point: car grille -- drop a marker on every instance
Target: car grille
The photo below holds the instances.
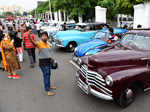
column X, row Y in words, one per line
column 94, row 79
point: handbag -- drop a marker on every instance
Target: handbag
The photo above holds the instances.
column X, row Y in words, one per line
column 53, row 64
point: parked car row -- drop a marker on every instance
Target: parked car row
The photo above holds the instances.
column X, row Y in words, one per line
column 110, row 71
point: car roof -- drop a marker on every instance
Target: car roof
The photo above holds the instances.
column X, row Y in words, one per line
column 96, row 23
column 116, row 30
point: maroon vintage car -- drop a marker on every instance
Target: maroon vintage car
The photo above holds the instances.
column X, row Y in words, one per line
column 117, row 73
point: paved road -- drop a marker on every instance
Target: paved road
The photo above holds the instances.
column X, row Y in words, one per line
column 27, row 95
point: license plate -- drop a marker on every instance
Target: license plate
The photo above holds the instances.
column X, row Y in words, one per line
column 83, row 86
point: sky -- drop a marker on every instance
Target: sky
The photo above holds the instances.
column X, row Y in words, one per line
column 26, row 4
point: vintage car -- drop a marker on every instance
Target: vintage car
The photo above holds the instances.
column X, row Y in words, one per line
column 118, row 72
column 98, row 43
column 72, row 38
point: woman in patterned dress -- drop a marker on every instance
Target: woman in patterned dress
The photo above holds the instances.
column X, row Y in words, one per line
column 10, row 59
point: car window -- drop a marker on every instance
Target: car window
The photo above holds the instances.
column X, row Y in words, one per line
column 127, row 39
column 142, row 42
column 136, row 41
column 98, row 27
column 100, row 35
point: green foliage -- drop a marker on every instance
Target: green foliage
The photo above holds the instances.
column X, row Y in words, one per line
column 111, row 8
column 8, row 14
column 76, row 8
column 42, row 7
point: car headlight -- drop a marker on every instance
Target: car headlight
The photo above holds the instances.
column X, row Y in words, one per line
column 109, row 81
column 86, row 53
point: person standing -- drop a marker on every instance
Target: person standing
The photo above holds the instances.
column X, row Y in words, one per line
column 44, row 61
column 9, row 56
column 38, row 29
column 29, row 46
column 14, row 24
column 64, row 27
column 27, row 23
column 22, row 29
column 18, row 46
column 1, row 37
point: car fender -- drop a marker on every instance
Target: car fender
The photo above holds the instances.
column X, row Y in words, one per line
column 123, row 79
column 93, row 51
column 78, row 39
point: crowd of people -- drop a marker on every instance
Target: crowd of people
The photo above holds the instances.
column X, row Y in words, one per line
column 12, row 48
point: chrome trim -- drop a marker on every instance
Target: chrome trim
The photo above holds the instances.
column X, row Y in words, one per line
column 73, row 63
column 58, row 45
column 94, row 73
column 83, row 73
column 94, row 79
column 100, row 95
column 104, row 91
column 102, row 87
column 147, row 89
column 95, row 93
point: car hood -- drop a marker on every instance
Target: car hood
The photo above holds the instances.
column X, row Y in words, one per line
column 84, row 48
column 117, row 58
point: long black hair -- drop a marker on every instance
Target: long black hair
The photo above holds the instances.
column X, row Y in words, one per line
column 2, row 35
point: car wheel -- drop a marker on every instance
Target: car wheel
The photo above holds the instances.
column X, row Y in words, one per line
column 71, row 46
column 127, row 98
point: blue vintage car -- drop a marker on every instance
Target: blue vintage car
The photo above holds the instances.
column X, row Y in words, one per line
column 70, row 39
column 97, row 44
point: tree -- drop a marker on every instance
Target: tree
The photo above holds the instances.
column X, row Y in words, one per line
column 86, row 8
column 111, row 9
column 8, row 13
column 42, row 7
column 18, row 14
column 76, row 8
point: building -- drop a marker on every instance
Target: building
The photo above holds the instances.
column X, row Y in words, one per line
column 142, row 15
column 12, row 8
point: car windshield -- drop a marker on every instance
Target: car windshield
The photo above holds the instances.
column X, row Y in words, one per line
column 133, row 41
column 102, row 35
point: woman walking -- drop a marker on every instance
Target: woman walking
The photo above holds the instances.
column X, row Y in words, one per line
column 9, row 56
column 44, row 61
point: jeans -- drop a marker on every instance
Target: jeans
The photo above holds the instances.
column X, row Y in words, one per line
column 31, row 54
column 46, row 76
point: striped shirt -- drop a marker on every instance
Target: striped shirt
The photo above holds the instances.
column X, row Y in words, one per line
column 27, row 41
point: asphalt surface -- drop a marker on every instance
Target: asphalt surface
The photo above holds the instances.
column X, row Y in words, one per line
column 27, row 94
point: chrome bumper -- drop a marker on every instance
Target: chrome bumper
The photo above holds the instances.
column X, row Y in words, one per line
column 89, row 90
column 57, row 45
column 100, row 95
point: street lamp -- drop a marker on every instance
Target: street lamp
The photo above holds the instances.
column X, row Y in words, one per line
column 50, row 9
